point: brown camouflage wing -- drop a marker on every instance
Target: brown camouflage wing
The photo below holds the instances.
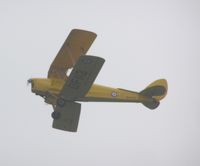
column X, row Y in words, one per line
column 77, row 43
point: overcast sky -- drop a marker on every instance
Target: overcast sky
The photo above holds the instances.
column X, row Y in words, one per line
column 141, row 41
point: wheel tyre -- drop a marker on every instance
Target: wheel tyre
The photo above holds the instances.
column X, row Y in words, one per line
column 55, row 115
column 61, row 102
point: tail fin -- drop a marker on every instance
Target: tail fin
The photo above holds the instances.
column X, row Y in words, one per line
column 155, row 92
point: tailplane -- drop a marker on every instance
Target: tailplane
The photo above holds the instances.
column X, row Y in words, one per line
column 155, row 92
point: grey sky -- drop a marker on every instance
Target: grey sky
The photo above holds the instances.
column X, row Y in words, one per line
column 141, row 41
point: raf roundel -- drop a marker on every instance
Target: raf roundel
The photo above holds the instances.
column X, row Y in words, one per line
column 114, row 94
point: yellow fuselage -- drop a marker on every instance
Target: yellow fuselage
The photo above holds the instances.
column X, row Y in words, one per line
column 53, row 87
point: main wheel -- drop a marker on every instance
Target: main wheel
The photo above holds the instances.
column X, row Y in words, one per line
column 61, row 102
column 55, row 115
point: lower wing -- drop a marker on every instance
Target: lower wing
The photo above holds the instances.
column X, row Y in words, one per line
column 67, row 117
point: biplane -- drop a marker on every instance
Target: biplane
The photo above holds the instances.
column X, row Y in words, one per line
column 65, row 90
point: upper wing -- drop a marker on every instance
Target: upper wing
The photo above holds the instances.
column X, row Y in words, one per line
column 81, row 78
column 77, row 43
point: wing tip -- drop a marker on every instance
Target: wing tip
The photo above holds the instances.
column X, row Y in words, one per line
column 75, row 30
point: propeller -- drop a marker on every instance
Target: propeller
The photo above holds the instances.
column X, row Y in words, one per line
column 29, row 81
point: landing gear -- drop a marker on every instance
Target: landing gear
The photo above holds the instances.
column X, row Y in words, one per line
column 55, row 115
column 60, row 102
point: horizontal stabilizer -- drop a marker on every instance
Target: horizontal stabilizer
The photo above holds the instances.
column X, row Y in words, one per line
column 151, row 104
column 155, row 92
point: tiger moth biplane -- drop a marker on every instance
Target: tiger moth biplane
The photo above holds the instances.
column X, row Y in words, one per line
column 64, row 91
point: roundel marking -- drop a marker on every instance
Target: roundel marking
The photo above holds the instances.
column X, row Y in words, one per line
column 114, row 94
